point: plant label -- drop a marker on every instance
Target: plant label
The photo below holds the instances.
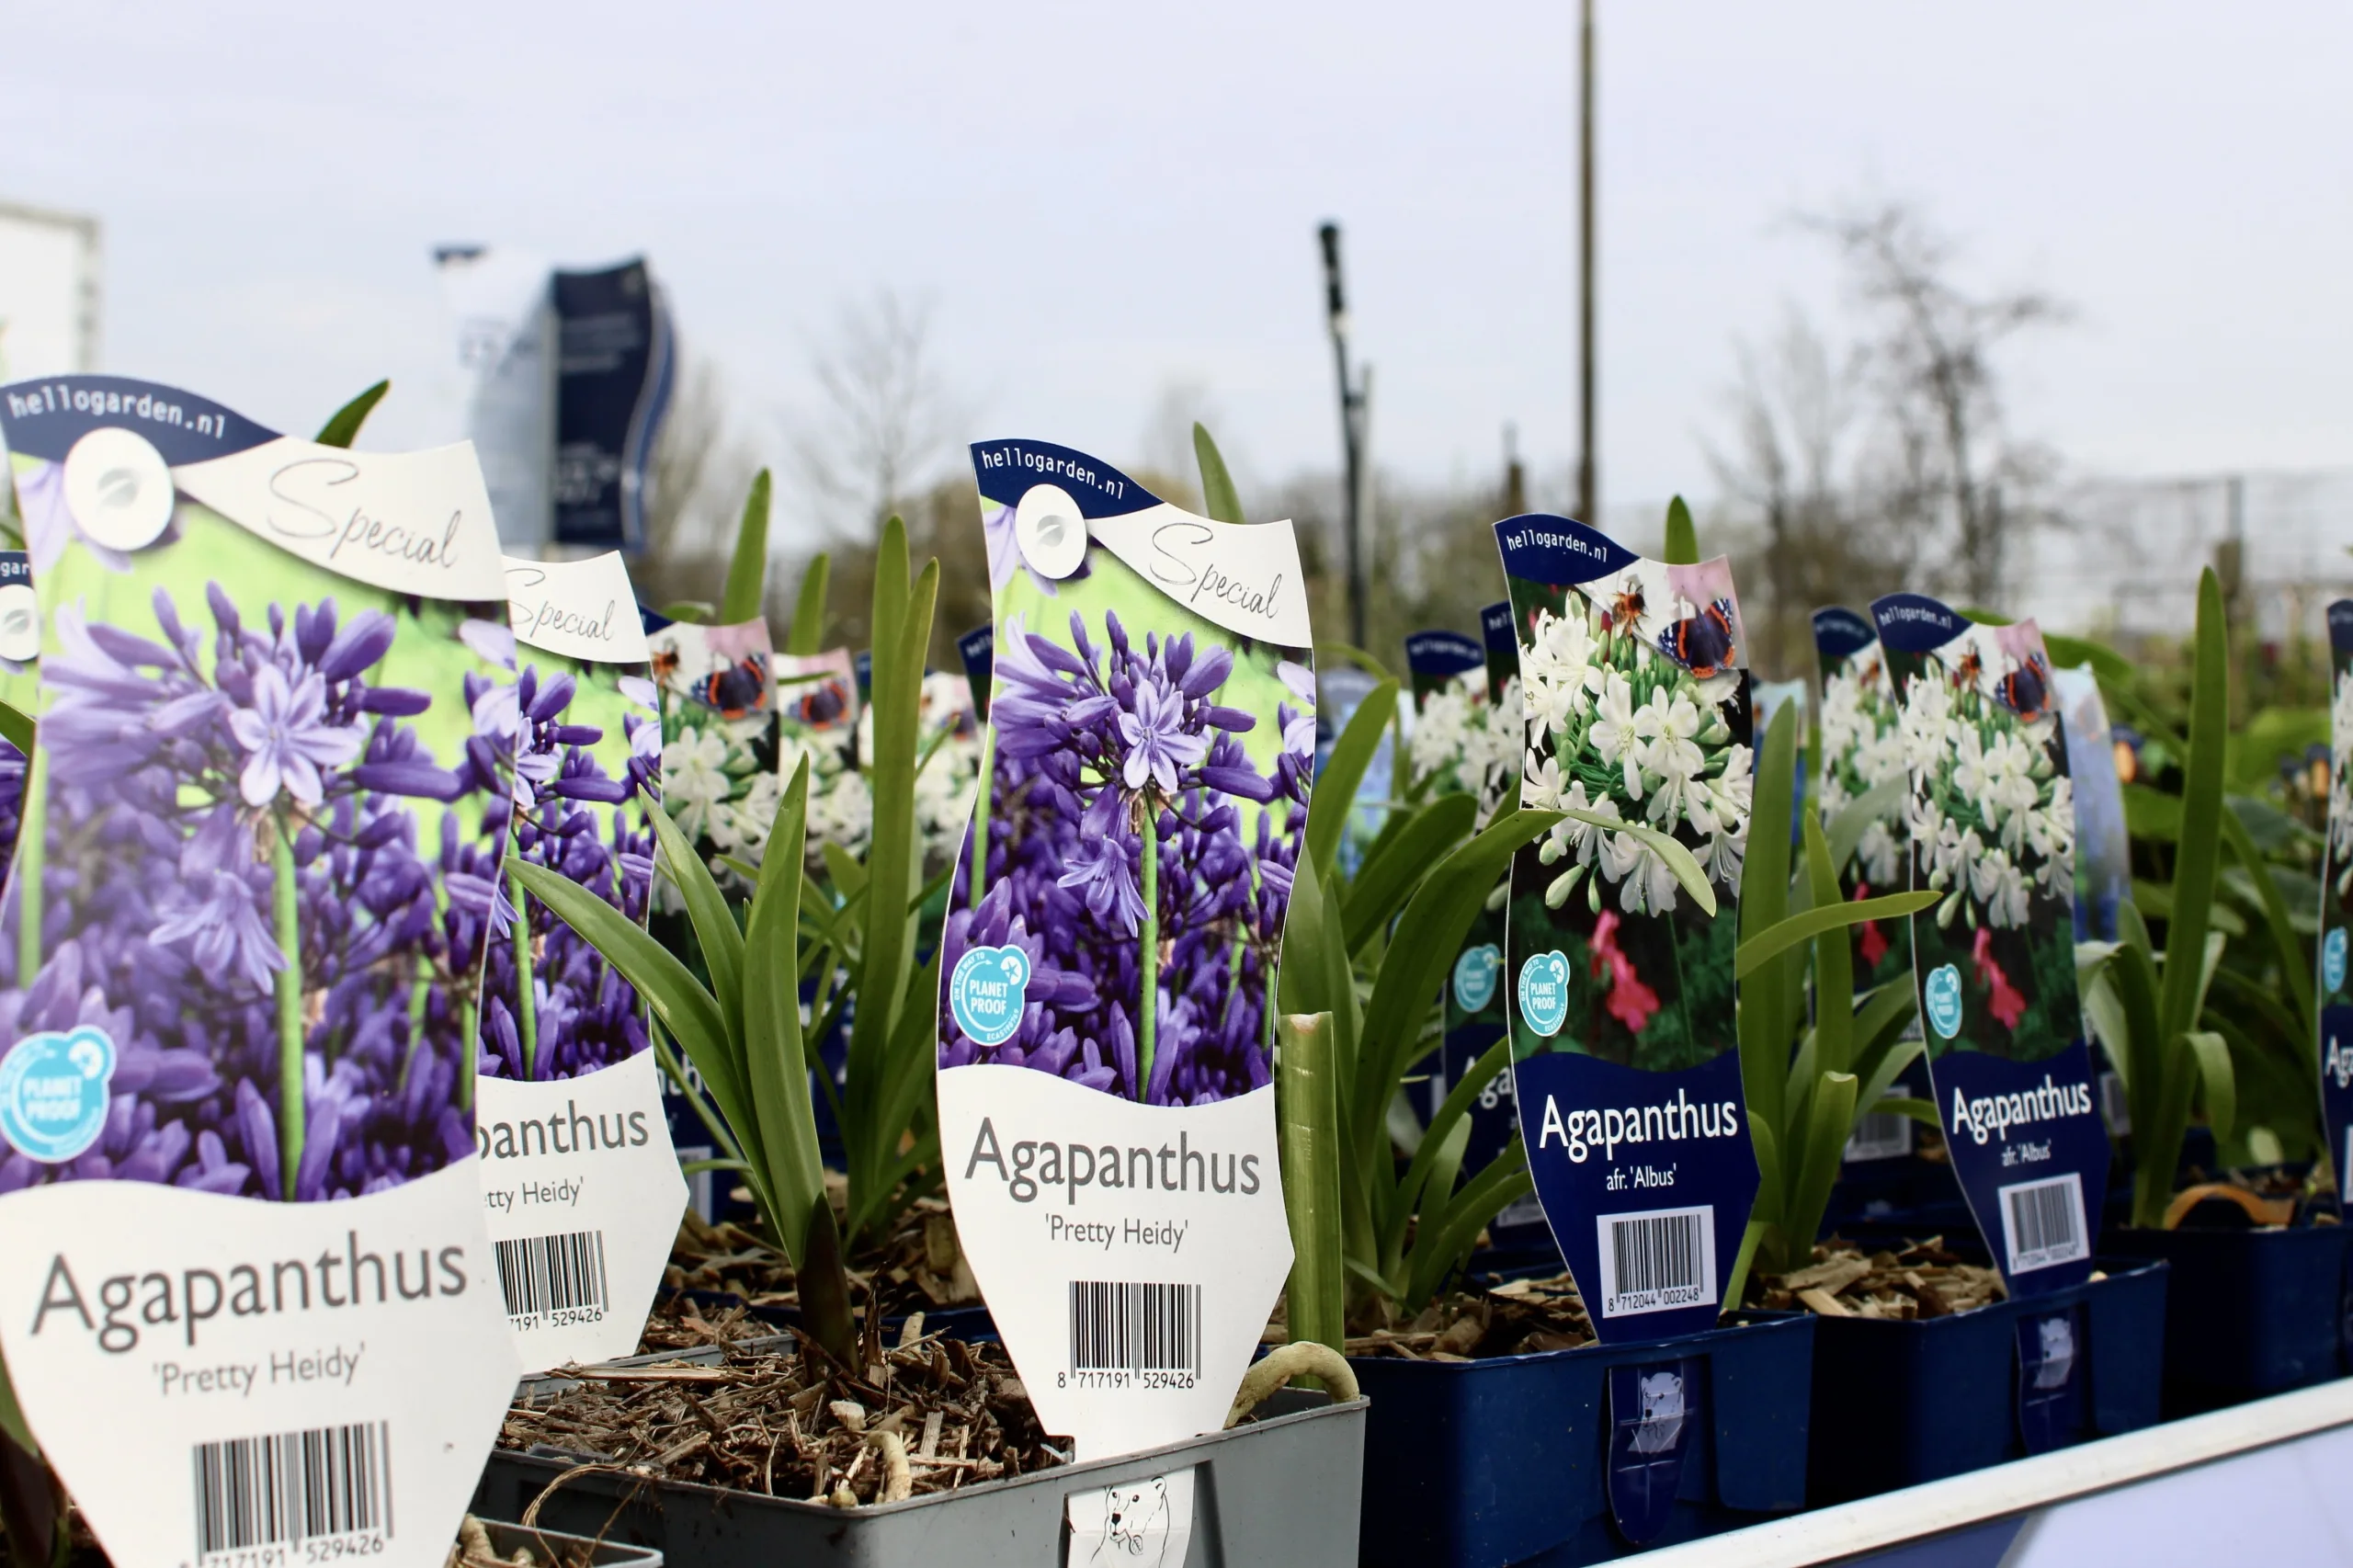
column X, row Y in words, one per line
column 1990, row 824
column 581, row 1185
column 1635, row 695
column 1465, row 742
column 1107, row 1113
column 249, row 1306
column 1862, row 780
column 2336, row 903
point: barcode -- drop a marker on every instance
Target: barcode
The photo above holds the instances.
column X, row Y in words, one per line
column 1134, row 1327
column 1657, row 1261
column 552, row 1274
column 2042, row 1222
column 293, row 1486
column 1879, row 1136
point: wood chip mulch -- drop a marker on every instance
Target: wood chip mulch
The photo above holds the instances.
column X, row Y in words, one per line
column 1921, row 1279
column 925, row 1415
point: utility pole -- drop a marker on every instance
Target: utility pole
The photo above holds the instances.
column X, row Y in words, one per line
column 1335, row 310
column 1588, row 496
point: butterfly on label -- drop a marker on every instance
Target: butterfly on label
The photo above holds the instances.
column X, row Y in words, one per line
column 2026, row 691
column 1702, row 645
column 1967, row 671
column 665, row 663
column 737, row 690
column 821, row 705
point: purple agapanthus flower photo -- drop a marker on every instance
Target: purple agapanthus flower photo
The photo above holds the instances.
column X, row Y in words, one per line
column 588, row 760
column 1138, row 856
column 245, row 864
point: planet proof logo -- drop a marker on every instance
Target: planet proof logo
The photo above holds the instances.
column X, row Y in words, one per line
column 1544, row 991
column 1474, row 976
column 1941, row 995
column 986, row 992
column 2332, row 960
column 54, row 1093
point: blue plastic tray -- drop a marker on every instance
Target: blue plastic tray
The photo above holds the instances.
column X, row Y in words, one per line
column 1899, row 1403
column 1503, row 1461
column 2254, row 1312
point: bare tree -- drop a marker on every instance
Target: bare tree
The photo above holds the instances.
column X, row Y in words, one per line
column 1946, row 461
column 887, row 419
column 1794, row 473
column 701, row 472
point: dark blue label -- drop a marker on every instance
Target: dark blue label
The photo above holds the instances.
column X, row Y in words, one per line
column 1503, row 647
column 977, row 648
column 1838, row 631
column 1647, row 1179
column 612, row 389
column 1915, row 622
column 1559, row 551
column 44, row 418
column 1443, row 654
column 2031, row 1153
column 16, row 567
column 1006, row 470
column 2337, row 1086
column 2340, row 626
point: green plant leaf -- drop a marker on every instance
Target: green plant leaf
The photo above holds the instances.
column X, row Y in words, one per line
column 1809, row 923
column 1884, row 1072
column 1218, row 498
column 776, row 1064
column 1678, row 859
column 1455, row 1228
column 2213, row 1059
column 2107, row 664
column 2201, row 821
column 721, row 939
column 808, row 633
column 1349, row 653
column 1307, row 1094
column 1453, row 1114
column 1879, row 803
column 1922, row 1111
column 2287, row 947
column 1765, row 1008
column 343, row 427
column 1682, row 547
column 748, row 574
column 693, row 612
column 1335, row 788
column 1398, row 864
column 1834, row 963
column 16, row 728
column 1428, row 936
column 1751, row 1237
column 1828, row 1129
column 677, row 999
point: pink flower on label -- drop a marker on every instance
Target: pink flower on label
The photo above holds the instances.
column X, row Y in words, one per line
column 1631, row 1002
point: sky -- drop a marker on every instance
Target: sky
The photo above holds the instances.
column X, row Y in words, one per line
column 1099, row 203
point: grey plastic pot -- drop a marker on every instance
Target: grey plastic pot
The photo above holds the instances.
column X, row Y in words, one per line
column 555, row 1546
column 1282, row 1489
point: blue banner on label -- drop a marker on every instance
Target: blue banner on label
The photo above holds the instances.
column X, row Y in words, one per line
column 2335, row 999
column 1647, row 1179
column 1637, row 716
column 1990, row 825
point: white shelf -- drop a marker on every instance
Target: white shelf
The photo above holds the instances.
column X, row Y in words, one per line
column 2134, row 1460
